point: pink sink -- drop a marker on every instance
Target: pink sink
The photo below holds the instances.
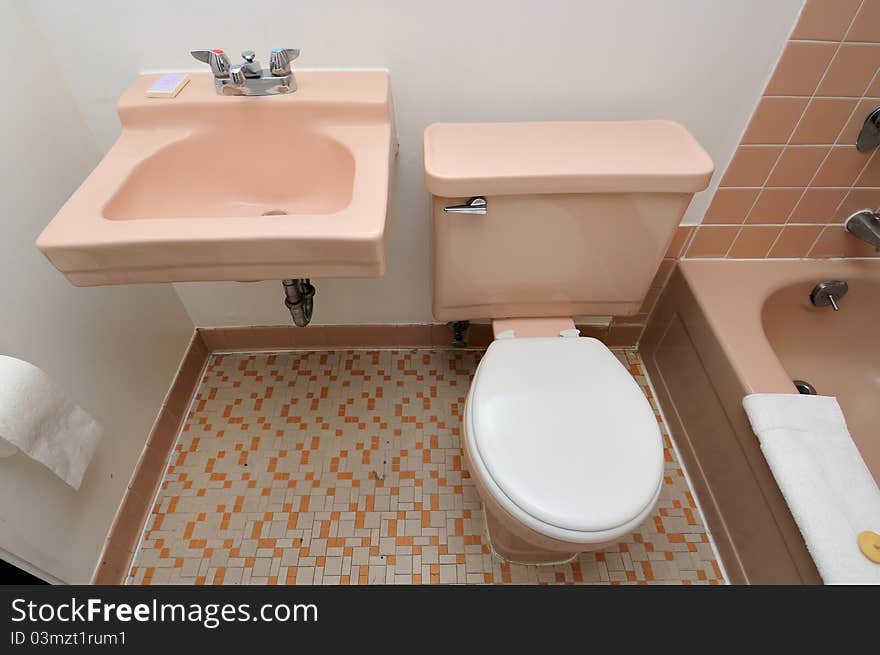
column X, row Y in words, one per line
column 209, row 187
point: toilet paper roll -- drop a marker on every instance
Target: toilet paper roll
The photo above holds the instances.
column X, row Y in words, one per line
column 39, row 419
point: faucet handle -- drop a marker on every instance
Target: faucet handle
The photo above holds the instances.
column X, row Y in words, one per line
column 216, row 58
column 236, row 84
column 279, row 60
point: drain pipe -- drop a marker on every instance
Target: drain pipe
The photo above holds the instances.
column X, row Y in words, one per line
column 299, row 298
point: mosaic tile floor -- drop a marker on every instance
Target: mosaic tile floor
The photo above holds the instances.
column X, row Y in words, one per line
column 345, row 467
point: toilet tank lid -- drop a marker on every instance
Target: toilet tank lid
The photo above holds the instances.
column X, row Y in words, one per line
column 469, row 159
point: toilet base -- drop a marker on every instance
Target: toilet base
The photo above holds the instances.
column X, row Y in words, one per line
column 508, row 547
column 514, row 542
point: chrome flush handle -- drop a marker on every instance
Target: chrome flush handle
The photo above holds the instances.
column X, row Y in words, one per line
column 476, row 205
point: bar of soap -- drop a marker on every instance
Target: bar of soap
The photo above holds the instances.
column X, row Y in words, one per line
column 168, row 85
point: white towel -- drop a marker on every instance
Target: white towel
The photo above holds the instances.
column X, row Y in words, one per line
column 831, row 494
column 39, row 419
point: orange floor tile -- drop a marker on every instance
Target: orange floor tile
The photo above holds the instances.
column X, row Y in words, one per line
column 345, row 467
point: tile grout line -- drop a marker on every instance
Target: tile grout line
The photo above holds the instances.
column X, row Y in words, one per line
column 855, row 108
column 688, row 242
column 773, row 243
column 821, row 97
column 792, row 188
column 815, row 242
column 842, row 40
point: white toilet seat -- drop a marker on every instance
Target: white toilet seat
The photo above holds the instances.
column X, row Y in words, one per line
column 563, row 438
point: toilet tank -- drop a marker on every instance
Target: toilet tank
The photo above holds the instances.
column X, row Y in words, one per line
column 578, row 214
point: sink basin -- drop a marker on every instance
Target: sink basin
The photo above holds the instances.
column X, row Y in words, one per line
column 209, row 187
column 182, row 179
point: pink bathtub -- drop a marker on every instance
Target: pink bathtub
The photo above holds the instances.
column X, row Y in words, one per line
column 724, row 329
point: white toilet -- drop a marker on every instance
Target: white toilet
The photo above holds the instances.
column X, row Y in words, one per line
column 535, row 223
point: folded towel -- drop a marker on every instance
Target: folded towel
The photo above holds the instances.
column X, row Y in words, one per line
column 831, row 494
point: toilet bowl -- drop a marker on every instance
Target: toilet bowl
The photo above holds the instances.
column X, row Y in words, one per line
column 563, row 445
column 532, row 222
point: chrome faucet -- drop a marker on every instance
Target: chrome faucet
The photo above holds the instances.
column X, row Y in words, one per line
column 249, row 78
column 865, row 224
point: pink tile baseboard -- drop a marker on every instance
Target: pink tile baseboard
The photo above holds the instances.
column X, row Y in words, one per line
column 287, row 337
column 429, row 335
column 123, row 537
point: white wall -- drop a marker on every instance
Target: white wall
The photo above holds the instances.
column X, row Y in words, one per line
column 701, row 63
column 114, row 350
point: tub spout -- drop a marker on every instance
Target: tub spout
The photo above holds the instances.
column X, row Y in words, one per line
column 865, row 224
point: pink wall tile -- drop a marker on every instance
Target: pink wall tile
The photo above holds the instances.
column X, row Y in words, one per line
column 795, row 241
column 802, row 65
column 774, row 120
column 754, row 241
column 796, row 174
column 825, row 20
column 712, row 241
column 866, row 26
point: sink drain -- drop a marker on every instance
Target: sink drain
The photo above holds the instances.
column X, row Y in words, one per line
column 274, row 212
column 805, row 387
